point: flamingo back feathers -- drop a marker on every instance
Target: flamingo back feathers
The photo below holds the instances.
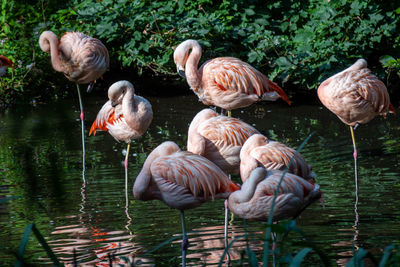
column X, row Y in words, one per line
column 232, row 74
column 226, row 131
column 106, row 116
column 193, row 172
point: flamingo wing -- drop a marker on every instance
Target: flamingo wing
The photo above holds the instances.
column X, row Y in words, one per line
column 86, row 58
column 226, row 131
column 291, row 184
column 369, row 89
column 193, row 172
column 232, row 74
column 107, row 115
column 273, row 155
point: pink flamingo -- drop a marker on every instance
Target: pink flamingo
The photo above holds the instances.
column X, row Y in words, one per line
column 182, row 180
column 356, row 96
column 81, row 58
column 254, row 200
column 225, row 82
column 218, row 138
column 4, row 64
column 125, row 116
column 258, row 151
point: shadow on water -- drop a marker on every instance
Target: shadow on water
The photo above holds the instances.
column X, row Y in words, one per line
column 41, row 163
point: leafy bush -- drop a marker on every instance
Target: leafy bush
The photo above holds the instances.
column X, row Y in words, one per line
column 22, row 23
column 297, row 42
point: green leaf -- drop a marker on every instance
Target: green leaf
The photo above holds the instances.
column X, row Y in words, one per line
column 298, row 259
column 384, row 60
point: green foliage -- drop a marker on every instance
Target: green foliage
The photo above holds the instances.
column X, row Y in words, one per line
column 22, row 22
column 294, row 42
column 297, row 42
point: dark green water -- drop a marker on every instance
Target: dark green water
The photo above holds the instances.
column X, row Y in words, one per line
column 40, row 163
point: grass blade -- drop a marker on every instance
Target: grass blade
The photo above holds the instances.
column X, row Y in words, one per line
column 298, row 259
column 268, row 231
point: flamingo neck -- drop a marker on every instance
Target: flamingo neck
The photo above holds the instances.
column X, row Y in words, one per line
column 52, row 41
column 191, row 67
column 129, row 107
column 246, row 192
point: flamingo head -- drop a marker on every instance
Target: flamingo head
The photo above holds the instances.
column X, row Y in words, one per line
column 181, row 55
column 117, row 91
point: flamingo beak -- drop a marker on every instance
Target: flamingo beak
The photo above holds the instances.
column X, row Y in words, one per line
column 90, row 87
column 181, row 71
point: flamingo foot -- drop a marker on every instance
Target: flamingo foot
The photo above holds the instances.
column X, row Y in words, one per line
column 82, row 116
column 185, row 243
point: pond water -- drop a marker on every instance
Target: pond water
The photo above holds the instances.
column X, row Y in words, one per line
column 40, row 162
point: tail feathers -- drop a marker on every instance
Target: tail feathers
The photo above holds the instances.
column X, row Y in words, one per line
column 234, row 187
column 7, row 62
column 102, row 127
column 273, row 86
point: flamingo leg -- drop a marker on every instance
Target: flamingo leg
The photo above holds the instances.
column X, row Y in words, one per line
column 82, row 116
column 126, row 173
column 229, row 113
column 185, row 241
column 355, row 166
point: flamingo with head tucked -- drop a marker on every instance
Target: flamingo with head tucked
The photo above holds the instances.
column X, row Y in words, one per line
column 254, row 200
column 356, row 96
column 125, row 116
column 182, row 180
column 219, row 138
column 258, row 151
column 4, row 64
column 225, row 82
column 81, row 58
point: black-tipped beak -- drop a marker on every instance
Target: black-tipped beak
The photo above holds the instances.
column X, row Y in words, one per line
column 182, row 73
column 113, row 104
column 90, row 87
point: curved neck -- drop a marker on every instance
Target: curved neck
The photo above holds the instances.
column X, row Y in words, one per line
column 129, row 107
column 246, row 192
column 49, row 41
column 191, row 66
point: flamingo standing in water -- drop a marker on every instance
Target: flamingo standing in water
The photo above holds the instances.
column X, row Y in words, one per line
column 182, row 180
column 4, row 64
column 225, row 82
column 125, row 116
column 219, row 139
column 254, row 200
column 356, row 96
column 258, row 151
column 81, row 58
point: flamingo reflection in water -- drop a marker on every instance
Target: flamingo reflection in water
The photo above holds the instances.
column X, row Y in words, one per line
column 182, row 180
column 208, row 244
column 225, row 82
column 81, row 58
column 92, row 246
column 126, row 116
